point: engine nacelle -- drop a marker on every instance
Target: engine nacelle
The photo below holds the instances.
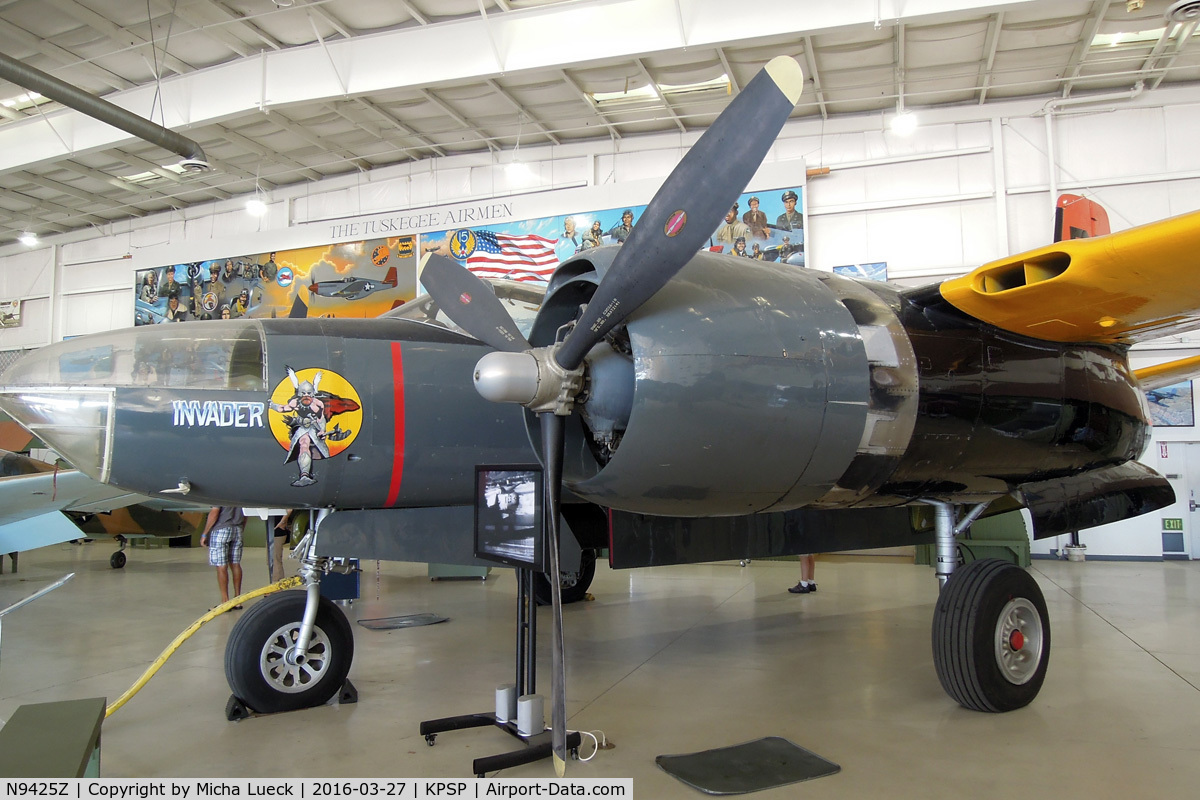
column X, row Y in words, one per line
column 742, row 386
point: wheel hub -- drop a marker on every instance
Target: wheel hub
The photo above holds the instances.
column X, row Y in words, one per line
column 288, row 670
column 1019, row 640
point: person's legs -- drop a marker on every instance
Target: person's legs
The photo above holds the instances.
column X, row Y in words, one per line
column 807, row 570
column 223, row 582
column 235, row 563
column 277, row 573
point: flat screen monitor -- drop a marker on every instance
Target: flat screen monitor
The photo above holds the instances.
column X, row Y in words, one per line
column 508, row 515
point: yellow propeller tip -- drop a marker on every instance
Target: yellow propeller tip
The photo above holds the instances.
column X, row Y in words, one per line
column 788, row 76
column 560, row 766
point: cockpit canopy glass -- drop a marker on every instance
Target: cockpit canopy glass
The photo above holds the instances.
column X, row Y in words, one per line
column 215, row 355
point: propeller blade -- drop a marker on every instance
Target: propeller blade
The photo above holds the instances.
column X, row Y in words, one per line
column 552, row 458
column 471, row 303
column 690, row 204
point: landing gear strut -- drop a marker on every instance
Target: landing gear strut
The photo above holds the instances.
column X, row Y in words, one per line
column 991, row 632
column 293, row 649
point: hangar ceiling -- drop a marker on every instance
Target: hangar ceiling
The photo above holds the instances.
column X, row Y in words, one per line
column 281, row 92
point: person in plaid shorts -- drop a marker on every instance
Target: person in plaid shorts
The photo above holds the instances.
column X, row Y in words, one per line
column 223, row 537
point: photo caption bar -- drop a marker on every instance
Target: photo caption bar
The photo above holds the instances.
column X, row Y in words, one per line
column 316, row 789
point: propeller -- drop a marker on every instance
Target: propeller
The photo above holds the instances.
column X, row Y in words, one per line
column 471, row 303
column 676, row 224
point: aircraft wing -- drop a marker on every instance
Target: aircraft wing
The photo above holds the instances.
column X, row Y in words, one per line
column 1123, row 288
column 1172, row 372
column 31, row 506
column 30, row 533
column 25, row 496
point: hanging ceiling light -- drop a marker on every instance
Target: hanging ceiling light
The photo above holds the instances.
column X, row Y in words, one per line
column 904, row 123
column 257, row 206
column 28, row 238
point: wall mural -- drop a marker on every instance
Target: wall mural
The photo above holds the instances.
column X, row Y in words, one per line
column 370, row 277
column 766, row 225
column 349, row 279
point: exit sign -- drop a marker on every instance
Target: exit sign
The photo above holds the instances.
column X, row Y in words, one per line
column 1172, row 523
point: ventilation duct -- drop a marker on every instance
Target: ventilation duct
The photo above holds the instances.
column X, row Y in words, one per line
column 35, row 80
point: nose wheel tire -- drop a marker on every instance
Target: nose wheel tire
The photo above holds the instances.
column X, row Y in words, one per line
column 261, row 663
column 991, row 636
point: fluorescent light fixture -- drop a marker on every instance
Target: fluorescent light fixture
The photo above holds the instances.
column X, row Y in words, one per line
column 649, row 93
column 255, row 206
column 23, row 101
column 147, row 177
column 904, row 123
column 28, row 238
column 1127, row 37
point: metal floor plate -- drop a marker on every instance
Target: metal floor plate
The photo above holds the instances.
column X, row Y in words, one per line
column 762, row 764
column 405, row 621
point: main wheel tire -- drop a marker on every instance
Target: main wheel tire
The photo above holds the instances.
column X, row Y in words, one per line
column 574, row 584
column 255, row 664
column 991, row 636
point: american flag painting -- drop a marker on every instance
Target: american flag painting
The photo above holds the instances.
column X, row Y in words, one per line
column 517, row 257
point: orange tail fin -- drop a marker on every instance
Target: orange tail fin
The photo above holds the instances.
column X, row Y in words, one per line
column 1079, row 218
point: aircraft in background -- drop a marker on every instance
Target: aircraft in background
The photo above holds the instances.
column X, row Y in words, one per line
column 687, row 406
column 353, row 288
column 41, row 505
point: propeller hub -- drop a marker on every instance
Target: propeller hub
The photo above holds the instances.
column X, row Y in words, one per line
column 532, row 378
column 507, row 377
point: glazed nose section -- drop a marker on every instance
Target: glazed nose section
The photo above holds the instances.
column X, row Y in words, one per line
column 46, row 393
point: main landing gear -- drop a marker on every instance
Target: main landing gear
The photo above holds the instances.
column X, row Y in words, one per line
column 574, row 584
column 117, row 559
column 991, row 632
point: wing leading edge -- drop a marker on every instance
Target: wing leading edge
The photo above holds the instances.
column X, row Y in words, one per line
column 1122, row 288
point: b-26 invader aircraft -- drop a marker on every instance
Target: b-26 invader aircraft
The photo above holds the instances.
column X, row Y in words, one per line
column 687, row 406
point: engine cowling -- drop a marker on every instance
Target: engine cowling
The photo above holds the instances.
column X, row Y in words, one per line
column 742, row 386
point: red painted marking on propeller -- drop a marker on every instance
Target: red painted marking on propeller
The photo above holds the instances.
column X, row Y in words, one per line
column 1016, row 640
column 398, row 425
column 676, row 223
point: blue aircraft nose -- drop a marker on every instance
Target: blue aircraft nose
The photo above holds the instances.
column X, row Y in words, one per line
column 65, row 393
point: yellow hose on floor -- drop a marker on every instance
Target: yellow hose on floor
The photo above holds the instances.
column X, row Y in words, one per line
column 286, row 583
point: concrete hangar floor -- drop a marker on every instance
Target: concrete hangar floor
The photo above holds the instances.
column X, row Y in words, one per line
column 668, row 660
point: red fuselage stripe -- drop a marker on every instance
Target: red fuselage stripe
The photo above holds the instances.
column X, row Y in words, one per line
column 398, row 443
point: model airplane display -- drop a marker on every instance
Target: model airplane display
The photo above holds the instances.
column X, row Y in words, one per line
column 699, row 407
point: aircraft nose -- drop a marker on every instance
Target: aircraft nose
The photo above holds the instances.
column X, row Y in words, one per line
column 42, row 392
column 65, row 393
